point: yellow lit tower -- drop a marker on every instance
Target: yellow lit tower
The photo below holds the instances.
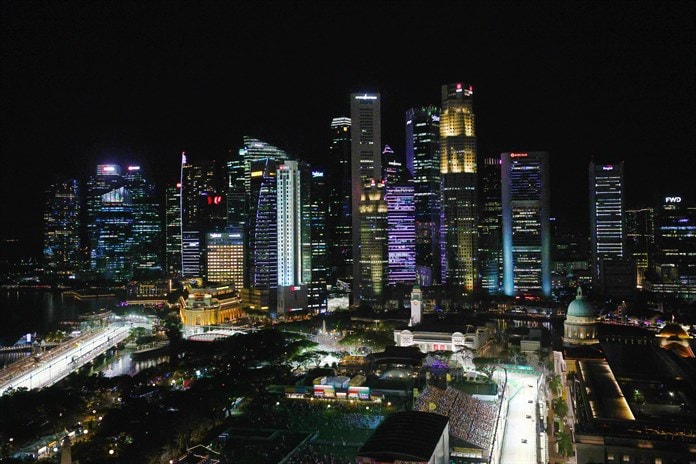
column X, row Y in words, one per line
column 459, row 187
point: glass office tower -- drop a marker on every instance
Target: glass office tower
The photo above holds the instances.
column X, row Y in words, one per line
column 61, row 246
column 525, row 218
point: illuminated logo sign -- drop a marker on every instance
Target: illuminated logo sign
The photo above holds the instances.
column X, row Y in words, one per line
column 134, row 168
column 672, row 199
column 108, row 168
column 518, row 155
column 608, row 168
column 256, row 173
column 178, row 185
column 317, row 174
column 366, row 97
column 215, row 200
column 215, row 235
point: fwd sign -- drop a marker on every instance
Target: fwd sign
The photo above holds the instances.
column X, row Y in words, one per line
column 672, row 199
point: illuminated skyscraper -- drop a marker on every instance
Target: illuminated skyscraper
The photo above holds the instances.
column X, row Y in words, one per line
column 459, row 187
column 423, row 161
column 172, row 229
column 606, row 220
column 366, row 169
column 490, row 226
column 263, row 230
column 123, row 224
column 62, row 228
column 317, row 297
column 525, row 218
column 339, row 215
column 401, row 221
column 373, row 244
column 225, row 257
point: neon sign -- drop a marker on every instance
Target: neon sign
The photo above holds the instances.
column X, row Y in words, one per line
column 673, row 199
column 215, row 200
column 518, row 155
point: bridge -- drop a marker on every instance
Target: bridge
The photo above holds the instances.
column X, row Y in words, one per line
column 48, row 368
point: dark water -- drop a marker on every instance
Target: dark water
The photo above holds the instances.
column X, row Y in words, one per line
column 41, row 311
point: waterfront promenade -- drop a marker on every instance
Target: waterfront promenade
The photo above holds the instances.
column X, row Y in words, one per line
column 52, row 366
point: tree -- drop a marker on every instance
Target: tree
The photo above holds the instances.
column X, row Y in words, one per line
column 560, row 408
column 485, row 365
column 564, row 443
column 555, row 384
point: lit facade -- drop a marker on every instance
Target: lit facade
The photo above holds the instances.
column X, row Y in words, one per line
column 288, row 224
column 62, row 228
column 172, row 229
column 606, row 218
column 339, row 219
column 317, row 293
column 263, row 231
column 373, row 244
column 225, row 257
column 401, row 222
column 423, row 162
column 458, row 168
column 490, row 226
column 525, row 220
column 366, row 167
column 147, row 225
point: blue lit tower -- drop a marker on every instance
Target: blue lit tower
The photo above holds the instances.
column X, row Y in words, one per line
column 339, row 220
column 490, row 226
column 147, row 225
column 366, row 169
column 606, row 219
column 62, row 228
column 263, row 232
column 459, row 187
column 423, row 162
column 526, row 231
column 676, row 248
column 401, row 221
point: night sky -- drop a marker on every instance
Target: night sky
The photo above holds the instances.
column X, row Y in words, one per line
column 92, row 82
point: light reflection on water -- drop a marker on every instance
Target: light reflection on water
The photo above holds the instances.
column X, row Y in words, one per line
column 122, row 363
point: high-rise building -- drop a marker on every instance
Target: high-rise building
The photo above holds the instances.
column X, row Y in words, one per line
column 262, row 263
column 366, row 169
column 675, row 267
column 61, row 248
column 606, row 222
column 147, row 225
column 490, row 226
column 373, row 243
column 401, row 220
column 225, row 257
column 423, row 162
column 317, row 293
column 339, row 222
column 458, row 172
column 640, row 240
column 172, row 229
column 123, row 224
column 525, row 219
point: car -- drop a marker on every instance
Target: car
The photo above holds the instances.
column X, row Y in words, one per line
column 529, row 416
column 530, row 401
column 524, row 440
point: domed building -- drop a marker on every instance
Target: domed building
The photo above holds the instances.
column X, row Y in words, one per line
column 673, row 337
column 580, row 326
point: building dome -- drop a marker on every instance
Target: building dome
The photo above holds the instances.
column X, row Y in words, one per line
column 580, row 307
column 673, row 330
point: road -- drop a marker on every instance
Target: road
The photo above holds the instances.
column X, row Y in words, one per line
column 58, row 363
column 520, row 440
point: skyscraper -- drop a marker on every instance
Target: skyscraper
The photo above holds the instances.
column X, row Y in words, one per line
column 423, row 162
column 317, row 293
column 366, row 169
column 459, row 187
column 490, row 226
column 525, row 218
column 263, row 230
column 172, row 229
column 640, row 240
column 147, row 225
column 606, row 220
column 339, row 221
column 62, row 228
column 225, row 257
column 401, row 221
column 373, row 244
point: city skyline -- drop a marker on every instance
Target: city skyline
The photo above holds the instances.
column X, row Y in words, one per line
column 86, row 84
